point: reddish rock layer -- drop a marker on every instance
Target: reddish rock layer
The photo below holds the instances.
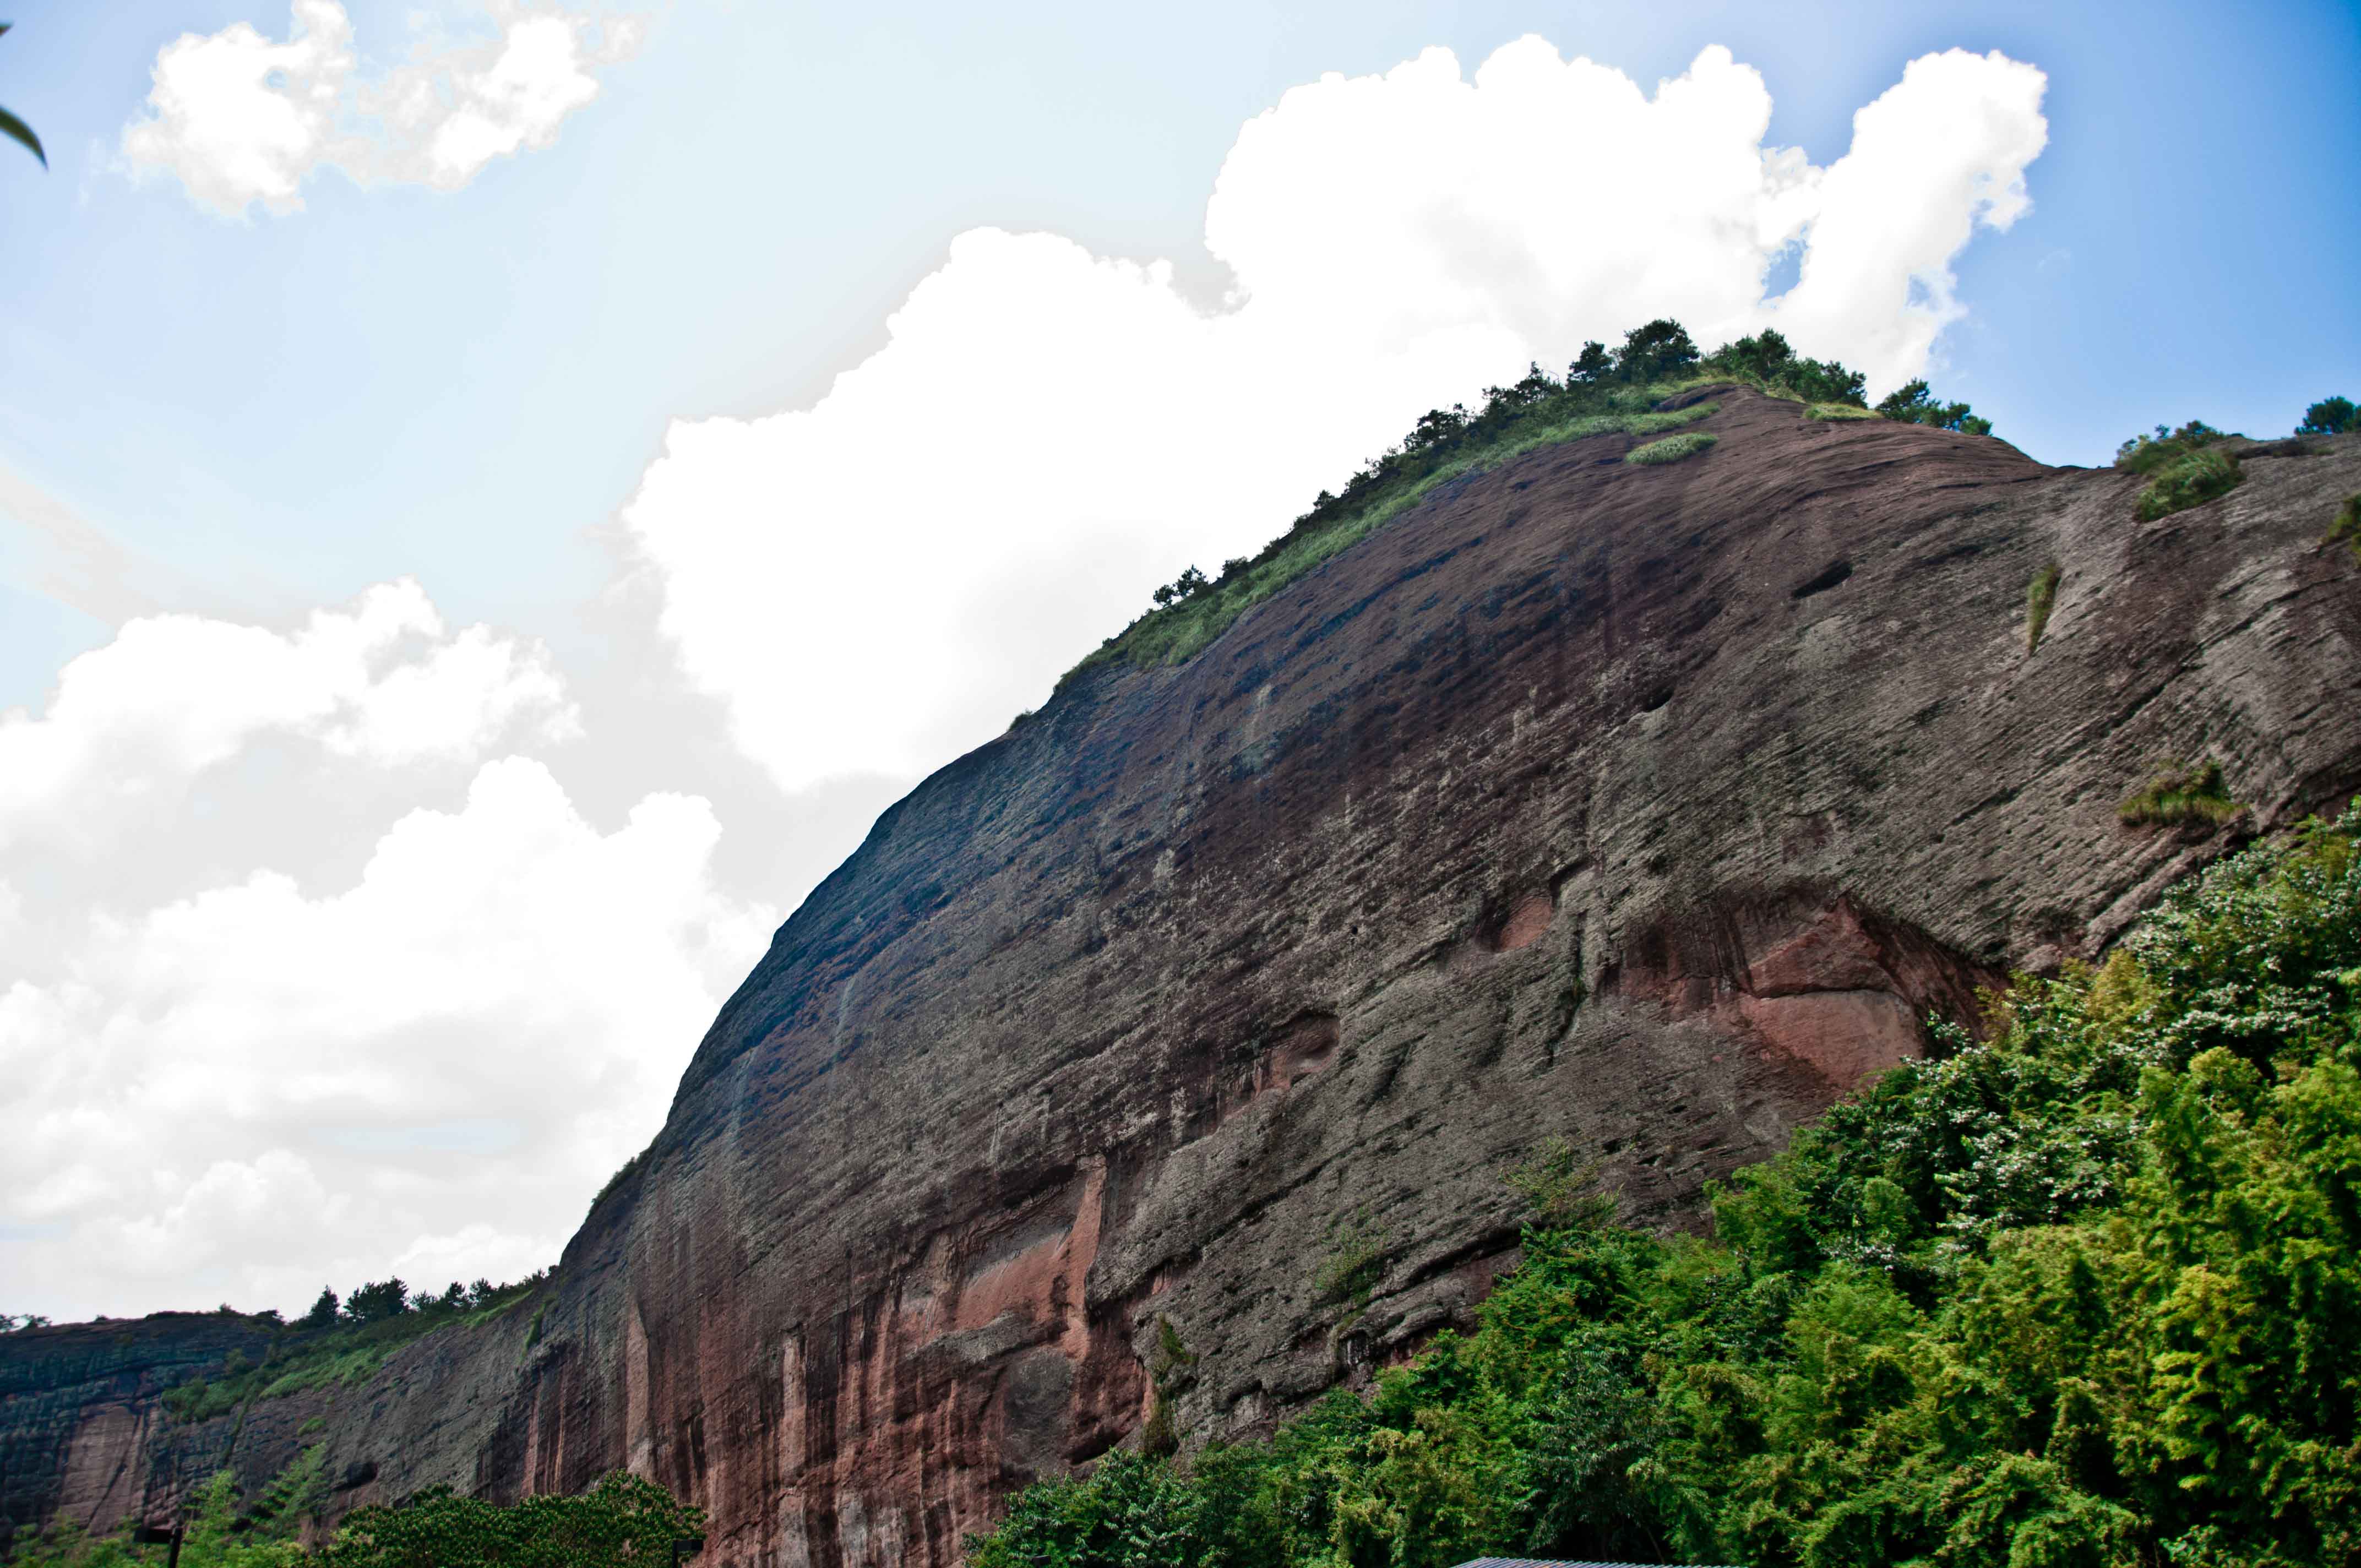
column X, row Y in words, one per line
column 1645, row 809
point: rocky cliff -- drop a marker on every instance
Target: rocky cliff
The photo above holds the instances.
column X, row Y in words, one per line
column 1644, row 808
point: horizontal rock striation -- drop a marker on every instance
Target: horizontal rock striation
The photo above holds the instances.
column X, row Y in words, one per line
column 1643, row 809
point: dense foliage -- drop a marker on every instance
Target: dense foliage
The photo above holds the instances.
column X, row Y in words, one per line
column 2186, row 467
column 1913, row 404
column 622, row 1522
column 221, row 1531
column 2330, row 416
column 2149, row 454
column 2346, row 527
column 2086, row 1293
column 2188, row 481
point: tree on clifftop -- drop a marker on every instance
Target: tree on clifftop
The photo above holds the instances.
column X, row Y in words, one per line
column 1656, row 352
column 379, row 1300
column 2330, row 416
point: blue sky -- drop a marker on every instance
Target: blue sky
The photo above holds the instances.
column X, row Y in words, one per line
column 397, row 461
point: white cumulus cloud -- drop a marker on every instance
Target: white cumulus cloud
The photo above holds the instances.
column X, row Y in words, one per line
column 879, row 581
column 175, row 694
column 250, row 1091
column 240, row 119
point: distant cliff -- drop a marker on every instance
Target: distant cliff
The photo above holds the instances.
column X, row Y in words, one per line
column 1643, row 807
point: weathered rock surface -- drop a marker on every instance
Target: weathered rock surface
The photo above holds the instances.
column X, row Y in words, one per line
column 1645, row 809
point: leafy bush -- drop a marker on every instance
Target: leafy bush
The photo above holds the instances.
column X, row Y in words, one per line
column 2180, row 796
column 2188, row 481
column 2147, row 453
column 2346, row 528
column 624, row 1521
column 222, row 1530
column 1659, row 351
column 2330, row 416
column 2039, row 597
column 1355, row 1263
column 1911, row 403
column 1672, row 449
column 1188, row 584
column 1767, row 360
column 2086, row 1292
column 377, row 1301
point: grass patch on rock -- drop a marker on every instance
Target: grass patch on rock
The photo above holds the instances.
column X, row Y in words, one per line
column 2040, row 596
column 2188, row 482
column 1840, row 411
column 302, row 1359
column 2346, row 528
column 1672, row 449
column 2180, row 797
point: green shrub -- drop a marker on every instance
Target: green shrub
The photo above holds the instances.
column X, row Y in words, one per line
column 2087, row 1292
column 1657, row 351
column 222, row 1531
column 1911, row 403
column 2330, row 416
column 623, row 1521
column 1766, row 360
column 1672, row 449
column 2346, row 528
column 2147, row 454
column 2186, row 482
column 2039, row 597
column 2178, row 796
column 1355, row 1262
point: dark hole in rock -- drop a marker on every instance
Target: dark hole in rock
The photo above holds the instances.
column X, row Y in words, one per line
column 1829, row 576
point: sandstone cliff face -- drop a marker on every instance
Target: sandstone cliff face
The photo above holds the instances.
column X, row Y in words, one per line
column 1643, row 809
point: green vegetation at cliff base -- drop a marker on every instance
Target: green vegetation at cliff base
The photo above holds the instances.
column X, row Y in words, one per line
column 2086, row 1292
column 623, row 1521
